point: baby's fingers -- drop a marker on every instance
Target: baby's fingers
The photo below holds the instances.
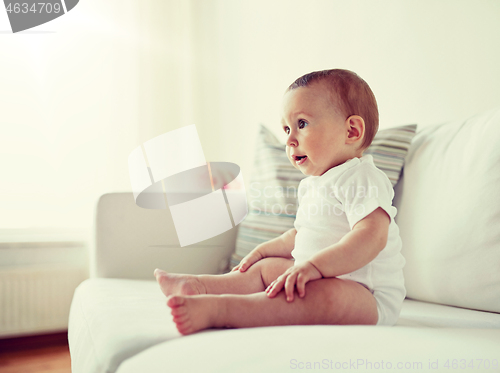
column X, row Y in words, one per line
column 244, row 266
column 289, row 287
column 235, row 268
column 301, row 285
column 274, row 288
column 269, row 289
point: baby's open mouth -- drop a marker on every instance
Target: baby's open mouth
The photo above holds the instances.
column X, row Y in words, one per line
column 299, row 159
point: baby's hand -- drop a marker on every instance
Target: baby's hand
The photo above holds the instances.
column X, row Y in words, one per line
column 245, row 263
column 300, row 274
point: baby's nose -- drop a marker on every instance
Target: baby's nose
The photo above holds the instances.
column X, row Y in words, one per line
column 291, row 141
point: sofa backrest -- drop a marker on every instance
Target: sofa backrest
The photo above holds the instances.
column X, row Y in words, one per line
column 448, row 205
column 130, row 242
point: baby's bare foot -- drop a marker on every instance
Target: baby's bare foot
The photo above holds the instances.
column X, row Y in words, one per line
column 171, row 283
column 194, row 313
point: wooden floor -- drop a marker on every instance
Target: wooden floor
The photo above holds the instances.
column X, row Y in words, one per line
column 36, row 354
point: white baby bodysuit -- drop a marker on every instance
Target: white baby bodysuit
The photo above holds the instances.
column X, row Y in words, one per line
column 329, row 207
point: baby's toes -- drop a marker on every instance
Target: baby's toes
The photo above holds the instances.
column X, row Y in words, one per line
column 184, row 327
column 159, row 273
column 175, row 301
column 180, row 319
column 178, row 311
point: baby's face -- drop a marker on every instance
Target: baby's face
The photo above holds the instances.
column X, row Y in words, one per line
column 317, row 135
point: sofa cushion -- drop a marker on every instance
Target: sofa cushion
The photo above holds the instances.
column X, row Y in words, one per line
column 114, row 319
column 274, row 184
column 448, row 205
column 433, row 315
column 324, row 348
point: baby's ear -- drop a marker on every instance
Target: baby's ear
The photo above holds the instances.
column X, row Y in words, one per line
column 356, row 129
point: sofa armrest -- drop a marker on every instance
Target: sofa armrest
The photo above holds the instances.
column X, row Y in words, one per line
column 130, row 242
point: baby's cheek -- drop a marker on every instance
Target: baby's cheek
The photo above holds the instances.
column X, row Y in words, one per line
column 287, row 151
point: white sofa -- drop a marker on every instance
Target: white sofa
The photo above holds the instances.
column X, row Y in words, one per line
column 449, row 218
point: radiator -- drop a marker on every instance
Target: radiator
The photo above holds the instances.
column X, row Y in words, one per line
column 37, row 299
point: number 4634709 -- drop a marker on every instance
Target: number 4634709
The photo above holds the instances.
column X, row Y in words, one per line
column 471, row 364
column 35, row 8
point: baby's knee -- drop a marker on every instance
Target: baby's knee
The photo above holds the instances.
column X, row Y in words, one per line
column 262, row 264
column 272, row 267
column 275, row 262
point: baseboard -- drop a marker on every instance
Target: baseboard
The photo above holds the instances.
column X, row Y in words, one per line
column 34, row 341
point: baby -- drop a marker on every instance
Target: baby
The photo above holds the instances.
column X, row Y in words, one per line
column 342, row 258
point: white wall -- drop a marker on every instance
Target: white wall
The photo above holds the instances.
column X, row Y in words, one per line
column 426, row 61
column 77, row 95
column 114, row 74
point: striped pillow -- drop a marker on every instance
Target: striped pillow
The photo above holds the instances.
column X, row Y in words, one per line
column 273, row 189
column 389, row 148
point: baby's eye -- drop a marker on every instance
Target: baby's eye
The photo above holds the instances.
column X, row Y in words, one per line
column 286, row 129
column 302, row 123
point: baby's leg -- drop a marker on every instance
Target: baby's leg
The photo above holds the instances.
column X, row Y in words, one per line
column 254, row 279
column 327, row 301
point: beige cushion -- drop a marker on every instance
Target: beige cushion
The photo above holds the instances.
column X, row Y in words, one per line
column 325, row 348
column 449, row 213
column 112, row 320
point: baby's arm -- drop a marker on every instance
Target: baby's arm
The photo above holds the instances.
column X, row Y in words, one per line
column 356, row 249
column 281, row 246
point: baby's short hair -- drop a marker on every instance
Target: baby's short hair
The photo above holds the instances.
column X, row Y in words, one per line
column 351, row 95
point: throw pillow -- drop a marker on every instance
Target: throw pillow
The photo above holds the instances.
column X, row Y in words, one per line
column 449, row 213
